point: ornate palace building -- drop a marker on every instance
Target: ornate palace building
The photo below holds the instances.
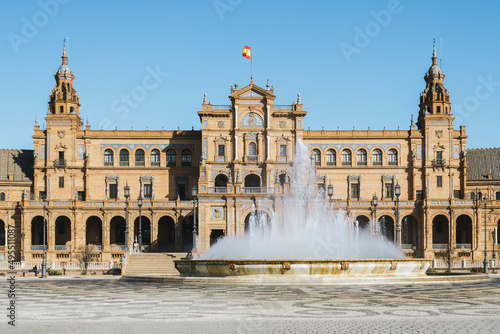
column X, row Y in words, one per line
column 75, row 177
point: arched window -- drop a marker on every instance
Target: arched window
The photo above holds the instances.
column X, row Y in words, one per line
column 108, row 157
column 497, row 196
column 346, row 157
column 392, row 157
column 155, row 157
column 124, row 157
column 316, row 157
column 186, row 158
column 331, row 158
column 361, row 157
column 2, row 197
column 139, row 157
column 377, row 157
column 252, row 149
column 171, row 158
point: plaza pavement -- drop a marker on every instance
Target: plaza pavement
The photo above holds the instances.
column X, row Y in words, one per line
column 109, row 305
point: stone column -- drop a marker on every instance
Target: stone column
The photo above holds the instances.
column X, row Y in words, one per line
column 6, row 235
column 178, row 232
column 105, row 233
column 236, row 148
column 154, row 230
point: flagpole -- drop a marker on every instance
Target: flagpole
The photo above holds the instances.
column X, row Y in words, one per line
column 251, row 62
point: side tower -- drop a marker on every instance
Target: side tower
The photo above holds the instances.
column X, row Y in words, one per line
column 57, row 151
column 439, row 157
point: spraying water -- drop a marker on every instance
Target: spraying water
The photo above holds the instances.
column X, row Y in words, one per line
column 302, row 227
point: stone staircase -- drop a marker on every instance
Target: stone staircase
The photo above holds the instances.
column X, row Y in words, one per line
column 146, row 264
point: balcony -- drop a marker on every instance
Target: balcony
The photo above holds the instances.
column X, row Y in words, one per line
column 60, row 163
column 93, row 248
column 258, row 190
column 38, row 247
column 62, row 247
column 252, row 158
column 464, row 246
column 439, row 162
column 217, row 190
column 440, row 246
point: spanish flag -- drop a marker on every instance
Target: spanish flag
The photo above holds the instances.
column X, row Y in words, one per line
column 246, row 52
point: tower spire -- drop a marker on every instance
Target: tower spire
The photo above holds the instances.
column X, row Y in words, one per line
column 64, row 57
column 434, row 58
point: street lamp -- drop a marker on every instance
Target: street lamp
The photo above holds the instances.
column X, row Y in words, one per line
column 397, row 191
column 44, row 262
column 485, row 262
column 194, row 195
column 139, row 204
column 330, row 191
column 126, row 192
column 493, row 239
column 22, row 248
column 375, row 203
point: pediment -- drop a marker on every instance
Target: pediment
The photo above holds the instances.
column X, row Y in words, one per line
column 251, row 93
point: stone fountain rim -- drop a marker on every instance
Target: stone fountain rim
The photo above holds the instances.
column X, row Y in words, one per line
column 215, row 261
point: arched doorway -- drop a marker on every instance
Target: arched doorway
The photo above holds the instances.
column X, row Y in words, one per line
column 464, row 232
column 257, row 221
column 409, row 232
column 2, row 233
column 386, row 227
column 187, row 233
column 440, row 232
column 37, row 231
column 166, row 234
column 145, row 231
column 363, row 223
column 221, row 181
column 252, row 183
column 63, row 231
column 215, row 235
column 93, row 234
column 117, row 230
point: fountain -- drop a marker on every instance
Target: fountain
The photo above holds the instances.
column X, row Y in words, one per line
column 301, row 237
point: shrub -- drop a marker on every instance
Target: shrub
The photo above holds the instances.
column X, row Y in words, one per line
column 54, row 272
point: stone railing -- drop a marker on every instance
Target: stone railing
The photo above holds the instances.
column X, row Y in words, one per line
column 463, row 264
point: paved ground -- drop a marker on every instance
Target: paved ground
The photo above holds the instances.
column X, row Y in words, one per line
column 79, row 305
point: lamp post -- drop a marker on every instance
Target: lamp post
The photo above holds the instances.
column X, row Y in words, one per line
column 375, row 203
column 194, row 195
column 126, row 192
column 44, row 262
column 493, row 239
column 485, row 262
column 139, row 204
column 397, row 191
column 330, row 192
column 22, row 247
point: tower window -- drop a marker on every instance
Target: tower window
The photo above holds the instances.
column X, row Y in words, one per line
column 72, row 109
column 252, row 149
column 438, row 109
column 61, row 182
column 221, row 150
column 282, row 150
column 439, row 181
column 2, row 197
column 61, row 109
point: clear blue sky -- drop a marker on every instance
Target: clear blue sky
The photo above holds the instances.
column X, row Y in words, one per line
column 297, row 45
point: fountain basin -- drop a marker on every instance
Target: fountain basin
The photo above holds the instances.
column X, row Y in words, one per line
column 303, row 268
